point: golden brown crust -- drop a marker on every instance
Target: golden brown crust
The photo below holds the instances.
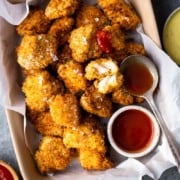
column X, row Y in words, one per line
column 52, row 155
column 96, row 103
column 61, row 8
column 72, row 73
column 94, row 160
column 121, row 13
column 38, row 89
column 89, row 14
column 65, row 110
column 35, row 23
column 88, row 135
column 45, row 125
column 37, row 51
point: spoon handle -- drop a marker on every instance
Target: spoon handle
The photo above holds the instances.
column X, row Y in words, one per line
column 162, row 124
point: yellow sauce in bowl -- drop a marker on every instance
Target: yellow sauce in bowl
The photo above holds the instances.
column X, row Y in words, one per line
column 171, row 36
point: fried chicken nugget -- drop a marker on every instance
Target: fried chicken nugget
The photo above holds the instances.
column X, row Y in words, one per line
column 94, row 160
column 52, row 155
column 96, row 103
column 83, row 43
column 72, row 73
column 118, row 11
column 35, row 23
column 61, row 29
column 61, row 8
column 89, row 14
column 123, row 97
column 45, row 125
column 39, row 88
column 37, row 51
column 117, row 36
column 101, row 68
column 88, row 135
column 65, row 110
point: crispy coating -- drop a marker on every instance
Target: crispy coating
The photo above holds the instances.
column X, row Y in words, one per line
column 96, row 103
column 89, row 14
column 39, row 88
column 100, row 68
column 60, row 8
column 72, row 73
column 117, row 36
column 37, row 51
column 61, row 29
column 65, row 110
column 94, row 160
column 88, row 135
column 123, row 97
column 45, row 125
column 35, row 23
column 109, row 84
column 83, row 43
column 133, row 48
column 118, row 11
column 52, row 155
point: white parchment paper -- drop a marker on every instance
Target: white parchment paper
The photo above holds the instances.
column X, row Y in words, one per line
column 167, row 99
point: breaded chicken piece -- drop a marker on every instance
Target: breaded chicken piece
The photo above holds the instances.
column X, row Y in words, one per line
column 37, row 51
column 88, row 135
column 96, row 103
column 109, row 84
column 83, row 43
column 39, row 88
column 35, row 23
column 61, row 8
column 117, row 36
column 89, row 14
column 94, row 160
column 61, row 28
column 101, row 68
column 65, row 110
column 52, row 155
column 133, row 48
column 118, row 11
column 45, row 125
column 123, row 97
column 72, row 73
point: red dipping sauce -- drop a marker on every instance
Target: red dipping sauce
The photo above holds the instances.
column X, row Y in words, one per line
column 132, row 130
column 5, row 174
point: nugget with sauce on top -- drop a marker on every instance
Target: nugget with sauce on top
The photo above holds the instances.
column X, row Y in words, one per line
column 94, row 160
column 89, row 14
column 35, row 23
column 118, row 11
column 88, row 135
column 72, row 73
column 61, row 8
column 39, row 88
column 83, row 43
column 37, row 51
column 96, row 103
column 65, row 110
column 52, row 155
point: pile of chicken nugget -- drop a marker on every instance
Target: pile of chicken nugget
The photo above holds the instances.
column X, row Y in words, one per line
column 70, row 54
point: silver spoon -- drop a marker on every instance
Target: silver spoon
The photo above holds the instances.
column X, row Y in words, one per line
column 148, row 96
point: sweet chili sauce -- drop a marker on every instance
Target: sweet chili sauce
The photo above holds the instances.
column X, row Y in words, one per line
column 132, row 130
column 138, row 78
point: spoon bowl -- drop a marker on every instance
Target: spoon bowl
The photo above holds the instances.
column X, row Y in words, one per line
column 148, row 94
